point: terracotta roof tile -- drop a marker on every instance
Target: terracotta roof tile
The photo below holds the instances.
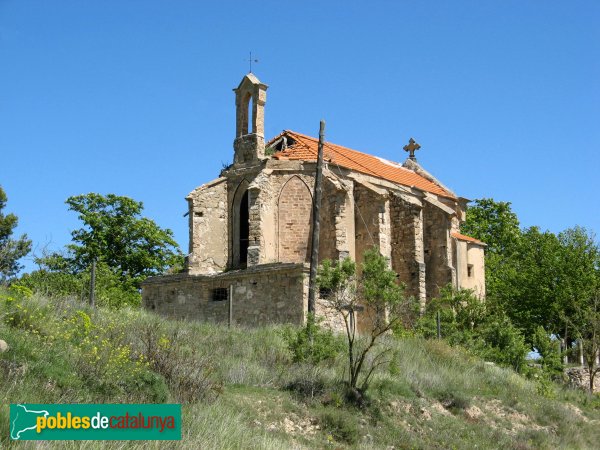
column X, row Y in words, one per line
column 305, row 148
column 463, row 237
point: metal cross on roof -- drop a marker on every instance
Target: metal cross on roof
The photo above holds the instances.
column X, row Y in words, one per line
column 411, row 147
column 251, row 61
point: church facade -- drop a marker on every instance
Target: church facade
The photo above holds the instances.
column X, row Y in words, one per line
column 250, row 228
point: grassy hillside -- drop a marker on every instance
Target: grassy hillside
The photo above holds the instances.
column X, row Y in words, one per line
column 240, row 388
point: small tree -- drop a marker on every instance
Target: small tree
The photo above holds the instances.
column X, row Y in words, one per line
column 11, row 250
column 380, row 299
column 549, row 350
column 587, row 327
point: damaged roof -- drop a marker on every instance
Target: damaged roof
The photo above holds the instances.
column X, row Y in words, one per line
column 302, row 147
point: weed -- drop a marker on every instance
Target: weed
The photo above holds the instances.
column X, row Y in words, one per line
column 341, row 425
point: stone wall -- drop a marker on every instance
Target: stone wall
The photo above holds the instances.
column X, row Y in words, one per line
column 248, row 149
column 329, row 317
column 344, row 221
column 264, row 294
column 408, row 257
column 357, row 213
column 368, row 207
column 328, row 217
column 208, row 218
column 294, row 211
column 438, row 250
column 579, row 377
column 255, row 241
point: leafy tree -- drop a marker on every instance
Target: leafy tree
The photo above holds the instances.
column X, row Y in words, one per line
column 586, row 324
column 495, row 224
column 579, row 273
column 534, row 300
column 468, row 321
column 498, row 226
column 114, row 232
column 382, row 304
column 554, row 274
column 11, row 250
column 536, row 277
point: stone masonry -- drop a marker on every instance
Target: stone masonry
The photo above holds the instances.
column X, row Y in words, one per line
column 185, row 296
column 250, row 228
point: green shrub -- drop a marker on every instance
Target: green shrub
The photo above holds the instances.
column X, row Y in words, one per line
column 311, row 343
column 501, row 342
column 466, row 321
column 545, row 387
column 56, row 282
column 341, row 425
column 549, row 350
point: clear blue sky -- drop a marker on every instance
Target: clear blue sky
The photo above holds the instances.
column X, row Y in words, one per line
column 134, row 97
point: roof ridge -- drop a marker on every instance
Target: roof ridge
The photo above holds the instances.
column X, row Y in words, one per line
column 399, row 165
column 346, row 148
column 366, row 163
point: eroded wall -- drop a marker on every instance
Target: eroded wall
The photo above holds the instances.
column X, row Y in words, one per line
column 262, row 295
column 208, row 219
column 439, row 270
column 368, row 207
column 408, row 256
column 327, row 226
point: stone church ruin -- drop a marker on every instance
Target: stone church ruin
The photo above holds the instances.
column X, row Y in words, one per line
column 250, row 228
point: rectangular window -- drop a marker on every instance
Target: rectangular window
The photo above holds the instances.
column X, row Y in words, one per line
column 470, row 270
column 219, row 294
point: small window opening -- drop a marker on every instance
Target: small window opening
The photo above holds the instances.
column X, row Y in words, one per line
column 470, row 270
column 324, row 292
column 198, row 214
column 219, row 294
column 251, row 123
column 247, row 119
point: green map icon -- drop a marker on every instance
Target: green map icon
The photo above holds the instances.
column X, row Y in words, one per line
column 24, row 420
